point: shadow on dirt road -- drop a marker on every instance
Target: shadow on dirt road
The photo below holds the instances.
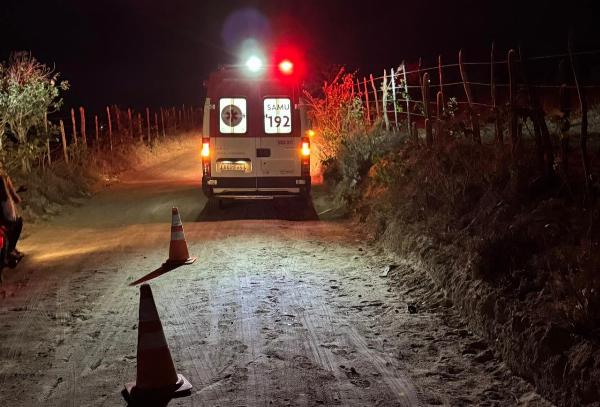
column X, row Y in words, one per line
column 281, row 209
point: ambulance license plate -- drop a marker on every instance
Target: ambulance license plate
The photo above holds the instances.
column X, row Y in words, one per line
column 240, row 167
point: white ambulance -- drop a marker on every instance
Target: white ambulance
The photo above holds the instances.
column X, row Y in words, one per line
column 256, row 142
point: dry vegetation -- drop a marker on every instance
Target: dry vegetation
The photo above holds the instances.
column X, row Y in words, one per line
column 515, row 247
column 58, row 163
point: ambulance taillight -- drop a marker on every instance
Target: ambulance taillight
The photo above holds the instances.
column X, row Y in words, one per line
column 205, row 148
column 305, row 147
column 205, row 153
column 305, row 153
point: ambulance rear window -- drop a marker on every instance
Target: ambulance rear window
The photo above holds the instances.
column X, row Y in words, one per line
column 232, row 112
column 278, row 115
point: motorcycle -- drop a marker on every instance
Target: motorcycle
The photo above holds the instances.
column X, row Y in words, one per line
column 3, row 250
column 5, row 259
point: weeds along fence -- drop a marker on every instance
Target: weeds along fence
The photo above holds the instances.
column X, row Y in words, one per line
column 506, row 96
column 71, row 132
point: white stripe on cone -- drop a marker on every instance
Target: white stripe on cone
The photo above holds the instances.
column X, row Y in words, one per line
column 177, row 236
column 176, row 220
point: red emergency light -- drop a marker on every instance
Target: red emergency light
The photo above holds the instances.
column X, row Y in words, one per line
column 286, row 67
column 288, row 62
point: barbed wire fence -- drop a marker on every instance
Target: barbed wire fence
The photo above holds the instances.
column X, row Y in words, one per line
column 73, row 130
column 504, row 96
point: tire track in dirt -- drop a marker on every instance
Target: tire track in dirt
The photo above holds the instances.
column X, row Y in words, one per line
column 114, row 297
column 273, row 313
column 402, row 390
column 304, row 306
column 10, row 351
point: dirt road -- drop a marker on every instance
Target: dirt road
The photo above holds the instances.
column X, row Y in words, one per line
column 280, row 309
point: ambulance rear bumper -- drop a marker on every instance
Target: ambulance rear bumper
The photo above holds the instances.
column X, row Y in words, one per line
column 255, row 187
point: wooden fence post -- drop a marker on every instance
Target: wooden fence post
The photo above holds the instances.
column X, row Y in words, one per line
column 393, row 75
column 537, row 131
column 564, row 126
column 367, row 101
column 130, row 120
column 545, row 149
column 439, row 101
column 512, row 86
column 406, row 94
column 169, row 120
column 110, row 136
column 140, row 127
column 414, row 132
column 73, row 122
column 119, row 127
column 425, row 95
column 63, row 138
column 375, row 93
column 148, row 125
column 82, row 124
column 156, row 125
column 162, row 122
column 384, row 102
column 472, row 112
column 497, row 122
column 441, row 80
column 47, row 138
column 426, row 110
column 358, row 89
column 97, row 130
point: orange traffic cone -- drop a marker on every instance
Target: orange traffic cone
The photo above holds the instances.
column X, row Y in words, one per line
column 178, row 250
column 156, row 375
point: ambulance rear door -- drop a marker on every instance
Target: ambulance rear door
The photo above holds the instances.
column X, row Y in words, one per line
column 235, row 142
column 279, row 141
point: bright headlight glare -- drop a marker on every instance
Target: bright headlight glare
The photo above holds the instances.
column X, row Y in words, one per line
column 254, row 63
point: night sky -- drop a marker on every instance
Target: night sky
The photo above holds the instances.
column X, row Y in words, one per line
column 158, row 53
